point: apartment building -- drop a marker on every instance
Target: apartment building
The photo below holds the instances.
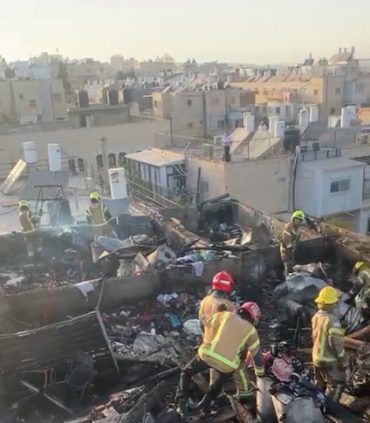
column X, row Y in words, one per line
column 32, row 101
column 330, row 84
column 203, row 112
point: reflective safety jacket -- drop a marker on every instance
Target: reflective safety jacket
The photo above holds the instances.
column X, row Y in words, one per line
column 208, row 308
column 362, row 299
column 231, row 338
column 289, row 240
column 327, row 338
column 98, row 215
column 27, row 221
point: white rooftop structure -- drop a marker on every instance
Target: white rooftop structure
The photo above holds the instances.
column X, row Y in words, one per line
column 156, row 157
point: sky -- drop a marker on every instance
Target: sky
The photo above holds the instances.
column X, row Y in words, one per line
column 248, row 31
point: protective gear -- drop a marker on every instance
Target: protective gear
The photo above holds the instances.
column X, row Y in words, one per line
column 23, row 203
column 289, row 240
column 252, row 310
column 328, row 340
column 209, row 307
column 327, row 295
column 231, row 337
column 95, row 196
column 298, row 214
column 223, row 281
column 358, row 266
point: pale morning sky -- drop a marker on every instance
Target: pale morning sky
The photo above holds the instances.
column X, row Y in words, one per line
column 254, row 31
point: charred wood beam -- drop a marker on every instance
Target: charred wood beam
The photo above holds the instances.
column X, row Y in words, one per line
column 146, row 402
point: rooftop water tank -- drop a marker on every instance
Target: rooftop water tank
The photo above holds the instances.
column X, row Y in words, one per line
column 117, row 183
column 55, row 157
column 279, row 128
column 314, row 114
column 30, row 152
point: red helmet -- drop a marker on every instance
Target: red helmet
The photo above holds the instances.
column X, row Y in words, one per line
column 223, row 281
column 252, row 310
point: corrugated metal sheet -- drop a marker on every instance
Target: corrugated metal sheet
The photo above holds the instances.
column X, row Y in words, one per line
column 51, row 346
column 13, row 176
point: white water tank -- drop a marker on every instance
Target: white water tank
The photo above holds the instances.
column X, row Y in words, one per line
column 303, row 117
column 272, row 120
column 279, row 128
column 314, row 114
column 117, row 183
column 346, row 117
column 248, row 121
column 55, row 157
column 30, row 152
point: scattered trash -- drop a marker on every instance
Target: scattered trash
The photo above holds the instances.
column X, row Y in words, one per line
column 192, row 327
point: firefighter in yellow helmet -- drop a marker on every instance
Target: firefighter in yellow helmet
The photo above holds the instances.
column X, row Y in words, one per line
column 289, row 240
column 29, row 224
column 361, row 287
column 98, row 215
column 232, row 336
column 328, row 354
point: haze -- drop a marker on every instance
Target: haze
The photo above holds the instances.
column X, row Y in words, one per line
column 268, row 31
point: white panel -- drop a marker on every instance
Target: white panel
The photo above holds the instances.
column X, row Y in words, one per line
column 117, row 183
column 55, row 157
column 29, row 152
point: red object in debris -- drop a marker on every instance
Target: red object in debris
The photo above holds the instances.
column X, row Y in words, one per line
column 282, row 369
column 266, row 358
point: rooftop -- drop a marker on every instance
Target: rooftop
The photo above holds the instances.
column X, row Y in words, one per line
column 338, row 163
column 157, row 157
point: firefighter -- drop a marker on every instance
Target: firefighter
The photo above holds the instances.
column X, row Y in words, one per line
column 29, row 223
column 98, row 215
column 361, row 288
column 328, row 355
column 231, row 337
column 222, row 287
column 289, row 240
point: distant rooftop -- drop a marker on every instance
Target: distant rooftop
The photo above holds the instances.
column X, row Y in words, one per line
column 157, row 157
column 338, row 163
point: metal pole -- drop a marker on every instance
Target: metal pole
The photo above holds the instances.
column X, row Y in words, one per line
column 103, row 143
column 171, row 132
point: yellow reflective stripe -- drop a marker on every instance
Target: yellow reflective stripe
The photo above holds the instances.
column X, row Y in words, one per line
column 244, row 382
column 341, row 354
column 336, row 330
column 254, row 345
column 210, row 352
column 219, row 330
column 322, row 340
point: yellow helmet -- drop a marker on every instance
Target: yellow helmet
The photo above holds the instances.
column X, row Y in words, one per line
column 23, row 203
column 298, row 214
column 327, row 295
column 358, row 266
column 95, row 196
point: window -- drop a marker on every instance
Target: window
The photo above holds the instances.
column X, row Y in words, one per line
column 99, row 160
column 340, row 186
column 111, row 160
column 81, row 165
column 338, row 91
column 278, row 111
column 190, row 125
column 189, row 102
column 121, row 158
column 58, row 98
column 221, row 124
column 315, row 92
